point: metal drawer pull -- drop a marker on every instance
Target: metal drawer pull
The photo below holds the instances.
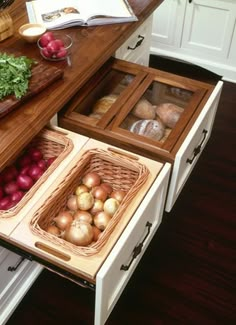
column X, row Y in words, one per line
column 14, row 268
column 197, row 150
column 140, row 41
column 137, row 249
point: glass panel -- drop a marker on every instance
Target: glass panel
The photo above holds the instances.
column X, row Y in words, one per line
column 103, row 96
column 158, row 111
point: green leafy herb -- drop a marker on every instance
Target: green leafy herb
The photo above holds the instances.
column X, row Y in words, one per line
column 15, row 73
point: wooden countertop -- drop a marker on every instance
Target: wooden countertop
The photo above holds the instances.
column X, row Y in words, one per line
column 92, row 47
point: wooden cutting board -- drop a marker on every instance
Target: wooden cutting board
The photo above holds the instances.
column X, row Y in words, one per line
column 43, row 75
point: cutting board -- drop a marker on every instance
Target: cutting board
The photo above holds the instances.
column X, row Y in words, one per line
column 43, row 75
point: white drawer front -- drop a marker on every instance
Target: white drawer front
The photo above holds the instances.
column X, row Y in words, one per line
column 111, row 278
column 16, row 278
column 192, row 147
column 138, row 45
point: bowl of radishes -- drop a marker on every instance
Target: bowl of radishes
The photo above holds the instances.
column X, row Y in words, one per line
column 54, row 46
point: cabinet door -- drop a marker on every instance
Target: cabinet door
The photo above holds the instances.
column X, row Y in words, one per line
column 208, row 28
column 168, row 23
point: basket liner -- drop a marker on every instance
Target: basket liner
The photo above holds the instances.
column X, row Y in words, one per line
column 122, row 172
column 51, row 143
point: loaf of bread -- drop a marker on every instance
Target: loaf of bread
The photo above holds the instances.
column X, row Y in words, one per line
column 144, row 110
column 169, row 113
column 103, row 104
column 150, row 128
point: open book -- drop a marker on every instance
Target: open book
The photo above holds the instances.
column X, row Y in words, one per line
column 58, row 14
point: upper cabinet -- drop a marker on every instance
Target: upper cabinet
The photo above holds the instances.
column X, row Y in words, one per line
column 198, row 31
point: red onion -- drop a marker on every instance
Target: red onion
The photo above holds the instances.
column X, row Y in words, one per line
column 24, row 160
column 35, row 172
column 24, row 170
column 17, row 196
column 11, row 187
column 42, row 164
column 5, row 203
column 1, row 192
column 50, row 160
column 35, row 154
column 25, row 182
column 9, row 174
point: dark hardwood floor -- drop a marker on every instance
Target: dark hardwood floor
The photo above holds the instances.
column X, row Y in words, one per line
column 188, row 274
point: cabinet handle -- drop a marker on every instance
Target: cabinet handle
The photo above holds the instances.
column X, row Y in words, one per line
column 197, row 150
column 190, row 1
column 139, row 42
column 137, row 249
column 14, row 268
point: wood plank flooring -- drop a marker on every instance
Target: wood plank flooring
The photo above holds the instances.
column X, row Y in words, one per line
column 188, row 274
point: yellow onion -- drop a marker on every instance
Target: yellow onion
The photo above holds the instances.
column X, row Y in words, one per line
column 101, row 220
column 118, row 195
column 107, row 187
column 82, row 215
column 96, row 233
column 99, row 193
column 53, row 230
column 97, row 207
column 79, row 233
column 72, row 203
column 91, row 179
column 63, row 219
column 80, row 189
column 110, row 206
column 85, row 201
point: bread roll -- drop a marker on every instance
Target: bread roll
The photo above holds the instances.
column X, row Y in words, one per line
column 169, row 114
column 144, row 110
column 150, row 128
column 103, row 104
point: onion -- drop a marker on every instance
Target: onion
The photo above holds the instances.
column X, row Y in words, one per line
column 11, row 187
column 5, row 203
column 9, row 174
column 91, row 179
column 79, row 233
column 24, row 182
column 35, row 154
column 107, row 187
column 42, row 164
column 63, row 219
column 72, row 203
column 24, row 160
column 17, row 196
column 50, row 160
column 101, row 220
column 81, row 189
column 97, row 206
column 54, row 230
column 35, row 172
column 96, row 233
column 118, row 195
column 85, row 201
column 99, row 193
column 82, row 215
column 110, row 206
column 24, row 170
column 1, row 192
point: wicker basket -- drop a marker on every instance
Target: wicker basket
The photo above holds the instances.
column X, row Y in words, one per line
column 122, row 172
column 51, row 144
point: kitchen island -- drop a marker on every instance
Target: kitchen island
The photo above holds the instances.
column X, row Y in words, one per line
column 92, row 47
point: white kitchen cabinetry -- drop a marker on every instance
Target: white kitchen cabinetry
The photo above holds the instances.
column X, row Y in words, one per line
column 202, row 32
column 17, row 276
column 137, row 48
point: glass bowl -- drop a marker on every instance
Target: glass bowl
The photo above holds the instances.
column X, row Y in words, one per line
column 54, row 46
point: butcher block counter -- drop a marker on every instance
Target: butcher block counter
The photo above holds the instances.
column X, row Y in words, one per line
column 92, row 47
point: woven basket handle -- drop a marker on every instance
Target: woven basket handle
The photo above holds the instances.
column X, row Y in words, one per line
column 121, row 153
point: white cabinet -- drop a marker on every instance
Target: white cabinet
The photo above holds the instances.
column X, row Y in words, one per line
column 198, row 31
column 17, row 276
column 137, row 48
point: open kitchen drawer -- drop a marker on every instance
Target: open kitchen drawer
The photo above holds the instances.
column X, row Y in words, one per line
column 149, row 112
column 105, row 265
